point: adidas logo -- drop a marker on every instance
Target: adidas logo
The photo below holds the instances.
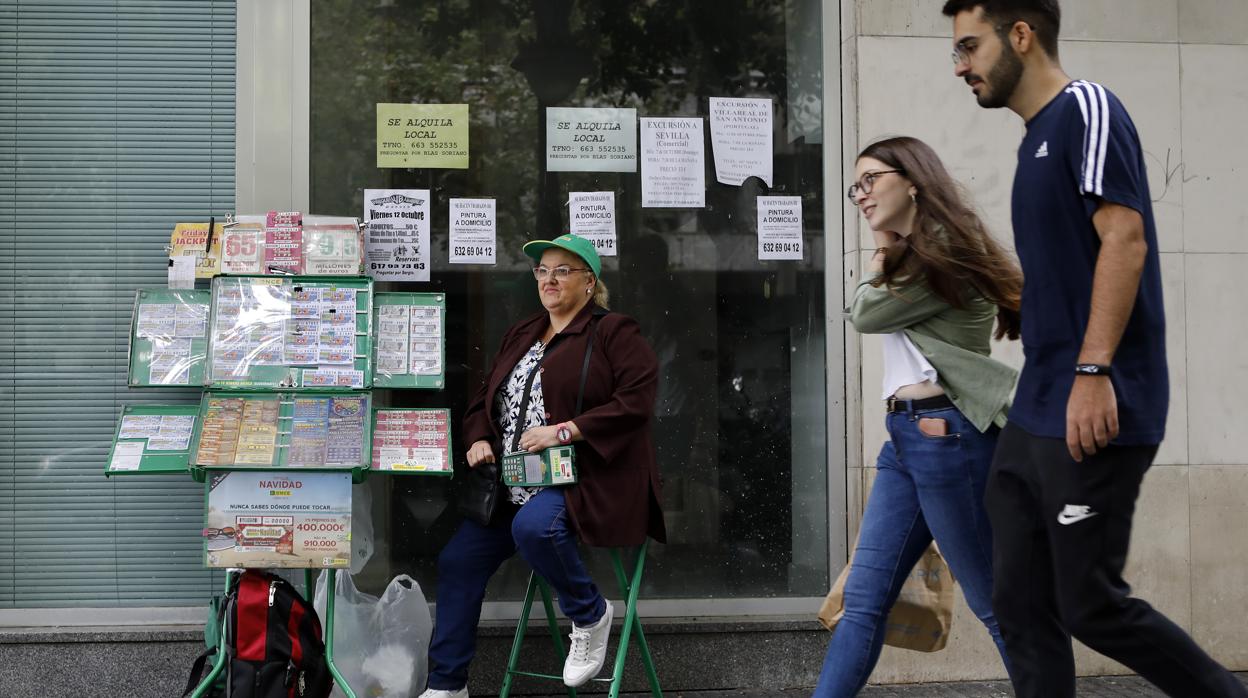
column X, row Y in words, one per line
column 1043, row 152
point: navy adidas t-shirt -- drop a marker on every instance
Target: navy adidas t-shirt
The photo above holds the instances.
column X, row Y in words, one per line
column 1080, row 149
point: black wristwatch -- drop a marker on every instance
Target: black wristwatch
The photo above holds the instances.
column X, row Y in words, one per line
column 1091, row 370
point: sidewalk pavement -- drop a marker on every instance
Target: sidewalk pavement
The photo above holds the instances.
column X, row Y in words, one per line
column 1092, row 687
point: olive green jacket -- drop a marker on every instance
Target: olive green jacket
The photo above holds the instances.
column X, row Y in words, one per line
column 955, row 341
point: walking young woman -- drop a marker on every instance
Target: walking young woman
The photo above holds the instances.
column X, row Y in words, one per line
column 935, row 285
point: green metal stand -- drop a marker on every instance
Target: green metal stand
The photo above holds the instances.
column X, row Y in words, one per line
column 632, row 624
column 310, row 584
column 219, row 665
column 330, row 588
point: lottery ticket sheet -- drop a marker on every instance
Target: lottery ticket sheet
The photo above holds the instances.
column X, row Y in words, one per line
column 168, row 338
column 410, row 340
column 295, row 332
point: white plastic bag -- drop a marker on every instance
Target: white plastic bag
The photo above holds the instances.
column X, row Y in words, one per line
column 380, row 645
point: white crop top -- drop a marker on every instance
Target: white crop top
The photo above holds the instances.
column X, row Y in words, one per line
column 904, row 364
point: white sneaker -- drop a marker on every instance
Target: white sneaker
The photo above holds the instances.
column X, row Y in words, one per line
column 435, row 693
column 588, row 651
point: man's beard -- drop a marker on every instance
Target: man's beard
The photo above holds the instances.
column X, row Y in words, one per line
column 1002, row 81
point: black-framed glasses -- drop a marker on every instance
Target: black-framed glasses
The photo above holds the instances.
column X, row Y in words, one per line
column 867, row 183
column 560, row 272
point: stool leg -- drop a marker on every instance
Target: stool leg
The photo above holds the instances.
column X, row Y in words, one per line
column 632, row 591
column 553, row 624
column 519, row 638
column 644, row 647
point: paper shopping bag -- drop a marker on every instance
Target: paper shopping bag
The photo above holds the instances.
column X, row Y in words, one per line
column 923, row 614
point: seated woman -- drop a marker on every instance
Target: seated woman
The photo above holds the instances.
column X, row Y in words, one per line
column 615, row 501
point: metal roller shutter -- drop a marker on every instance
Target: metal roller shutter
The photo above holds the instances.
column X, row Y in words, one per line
column 116, row 121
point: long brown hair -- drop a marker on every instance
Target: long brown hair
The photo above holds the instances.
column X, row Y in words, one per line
column 950, row 248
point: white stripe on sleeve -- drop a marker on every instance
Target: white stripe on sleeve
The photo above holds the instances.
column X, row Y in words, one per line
column 1094, row 104
column 1094, row 139
column 1100, row 154
column 1084, row 179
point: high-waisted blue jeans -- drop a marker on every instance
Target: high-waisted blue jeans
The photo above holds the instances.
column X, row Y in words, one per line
column 925, row 487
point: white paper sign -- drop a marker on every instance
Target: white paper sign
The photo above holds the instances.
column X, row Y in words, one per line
column 591, row 140
column 397, row 237
column 182, row 271
column 779, row 227
column 473, row 231
column 127, row 455
column 672, row 163
column 591, row 215
column 741, row 139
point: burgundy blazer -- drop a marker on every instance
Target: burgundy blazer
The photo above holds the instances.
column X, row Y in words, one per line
column 615, row 502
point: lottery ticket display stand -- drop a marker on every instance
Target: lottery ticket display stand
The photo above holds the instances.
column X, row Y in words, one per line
column 287, row 422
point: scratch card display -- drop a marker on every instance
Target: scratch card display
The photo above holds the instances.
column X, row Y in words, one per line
column 328, row 431
column 412, row 440
column 238, row 431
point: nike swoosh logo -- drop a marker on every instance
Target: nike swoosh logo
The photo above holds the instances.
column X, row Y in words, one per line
column 1068, row 519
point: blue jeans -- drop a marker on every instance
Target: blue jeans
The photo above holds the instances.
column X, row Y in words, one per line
column 925, row 486
column 540, row 531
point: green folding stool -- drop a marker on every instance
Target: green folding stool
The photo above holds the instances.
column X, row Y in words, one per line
column 631, row 629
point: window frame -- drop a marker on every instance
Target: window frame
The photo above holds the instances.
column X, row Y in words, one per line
column 274, row 124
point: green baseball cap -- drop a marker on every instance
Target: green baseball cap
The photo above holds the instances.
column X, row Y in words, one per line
column 575, row 244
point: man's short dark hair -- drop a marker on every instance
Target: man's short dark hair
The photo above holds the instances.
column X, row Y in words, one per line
column 1044, row 16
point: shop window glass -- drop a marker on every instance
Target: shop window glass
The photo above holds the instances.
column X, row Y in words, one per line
column 741, row 415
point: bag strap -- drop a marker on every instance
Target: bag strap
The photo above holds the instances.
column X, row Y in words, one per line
column 528, row 384
column 589, row 350
column 197, row 670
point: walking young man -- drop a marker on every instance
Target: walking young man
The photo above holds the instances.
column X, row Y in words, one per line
column 1091, row 403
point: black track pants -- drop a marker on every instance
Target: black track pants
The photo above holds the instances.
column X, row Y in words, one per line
column 1060, row 535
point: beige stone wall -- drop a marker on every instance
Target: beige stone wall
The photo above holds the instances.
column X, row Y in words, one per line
column 1181, row 68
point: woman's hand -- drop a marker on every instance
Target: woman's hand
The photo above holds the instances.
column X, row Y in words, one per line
column 539, row 438
column 884, row 239
column 480, row 452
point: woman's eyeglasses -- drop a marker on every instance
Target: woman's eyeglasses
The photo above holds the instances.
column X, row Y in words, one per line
column 866, row 184
column 560, row 272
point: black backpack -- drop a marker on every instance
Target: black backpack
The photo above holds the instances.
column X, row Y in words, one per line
column 272, row 640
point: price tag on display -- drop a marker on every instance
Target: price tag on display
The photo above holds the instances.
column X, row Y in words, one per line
column 242, row 250
column 332, row 249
